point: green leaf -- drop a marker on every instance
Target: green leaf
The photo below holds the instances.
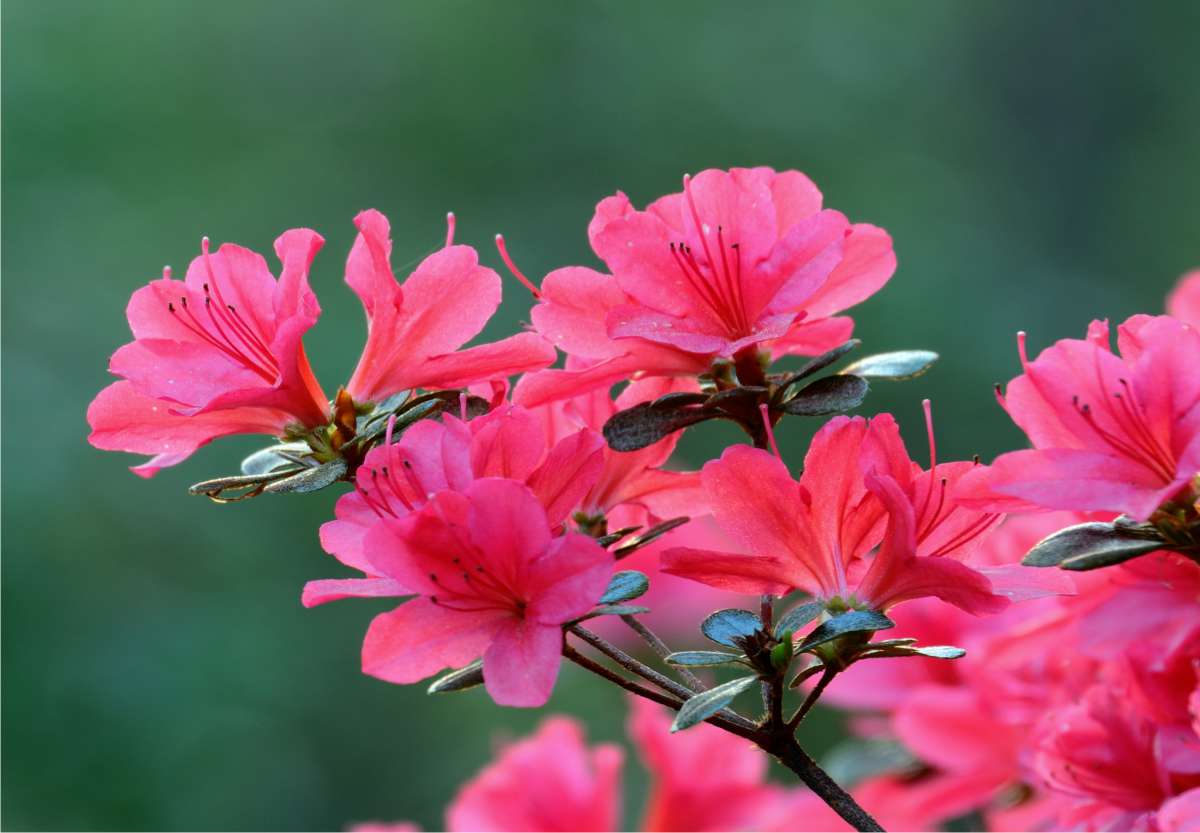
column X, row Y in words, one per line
column 625, row 585
column 702, row 659
column 819, row 363
column 649, row 536
column 725, row 626
column 901, row 364
column 830, row 395
column 1092, row 545
column 856, row 621
column 460, row 680
column 798, row 617
column 931, row 651
column 805, row 674
column 266, row 460
column 310, row 480
column 612, row 537
column 647, row 423
column 613, row 610
column 707, row 703
column 781, row 654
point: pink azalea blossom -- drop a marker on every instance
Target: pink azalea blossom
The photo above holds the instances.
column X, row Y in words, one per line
column 816, row 534
column 550, row 781
column 740, row 262
column 491, row 581
column 1110, row 432
column 397, row 478
column 1119, row 767
column 217, row 353
column 1184, row 300
column 415, row 329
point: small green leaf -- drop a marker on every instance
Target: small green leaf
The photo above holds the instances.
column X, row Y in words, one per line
column 707, row 703
column 856, row 621
column 460, row 680
column 649, row 536
column 702, row 659
column 798, row 617
column 931, row 651
column 830, row 395
column 805, row 674
column 819, row 363
column 266, row 460
column 726, row 626
column 890, row 643
column 1093, row 545
column 612, row 537
column 940, row 651
column 901, row 364
column 625, row 585
column 645, row 424
column 613, row 610
column 310, row 480
column 781, row 654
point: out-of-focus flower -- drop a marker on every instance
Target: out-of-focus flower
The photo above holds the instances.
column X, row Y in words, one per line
column 1184, row 300
column 215, row 354
column 1111, row 432
column 492, row 582
column 742, row 265
column 550, row 781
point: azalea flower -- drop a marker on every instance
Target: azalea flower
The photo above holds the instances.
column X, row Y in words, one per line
column 816, row 534
column 398, row 478
column 492, row 582
column 415, row 329
column 551, row 780
column 220, row 352
column 1110, row 432
column 743, row 265
column 1184, row 300
column 217, row 353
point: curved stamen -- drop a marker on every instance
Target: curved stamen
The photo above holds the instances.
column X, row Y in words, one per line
column 516, row 273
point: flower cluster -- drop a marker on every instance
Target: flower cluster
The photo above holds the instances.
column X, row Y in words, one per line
column 518, row 524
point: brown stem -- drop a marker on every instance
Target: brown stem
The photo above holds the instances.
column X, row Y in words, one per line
column 659, row 647
column 629, row 663
column 811, row 700
column 746, row 731
column 772, row 690
column 788, row 752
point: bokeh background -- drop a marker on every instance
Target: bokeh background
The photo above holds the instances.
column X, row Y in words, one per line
column 1036, row 163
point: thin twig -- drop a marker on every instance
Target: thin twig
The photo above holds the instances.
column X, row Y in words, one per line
column 659, row 647
column 789, row 753
column 772, row 695
column 811, row 700
column 720, row 720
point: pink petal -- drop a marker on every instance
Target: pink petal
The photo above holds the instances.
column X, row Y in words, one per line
column 812, row 338
column 801, row 263
column 733, row 572
column 685, row 333
column 573, row 308
column 420, row 638
column 123, row 420
column 508, row 442
column 332, row 589
column 521, row 664
column 570, row 470
column 1184, row 300
column 343, row 537
column 796, row 198
column 567, row 580
column 506, row 524
column 522, row 353
column 868, row 263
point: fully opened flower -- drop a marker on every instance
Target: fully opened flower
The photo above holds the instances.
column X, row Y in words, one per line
column 741, row 263
column 217, row 353
column 415, row 329
column 817, row 534
column 492, row 582
column 1110, row 432
column 398, row 478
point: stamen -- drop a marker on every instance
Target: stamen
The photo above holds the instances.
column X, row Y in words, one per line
column 516, row 273
column 766, row 419
column 966, row 536
column 167, row 273
column 1021, row 350
column 449, row 229
column 462, row 405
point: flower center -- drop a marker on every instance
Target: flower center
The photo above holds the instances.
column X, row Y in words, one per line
column 1129, row 432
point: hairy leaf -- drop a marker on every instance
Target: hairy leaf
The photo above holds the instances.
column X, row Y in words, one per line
column 707, row 703
column 855, row 621
column 901, row 364
column 798, row 617
column 625, row 585
column 1093, row 545
column 830, row 395
column 460, row 680
column 702, row 659
column 725, row 626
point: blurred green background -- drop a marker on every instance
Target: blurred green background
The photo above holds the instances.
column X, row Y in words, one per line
column 1036, row 163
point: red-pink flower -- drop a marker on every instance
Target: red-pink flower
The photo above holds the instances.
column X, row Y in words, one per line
column 740, row 261
column 415, row 329
column 1119, row 767
column 550, row 781
column 491, row 580
column 217, row 353
column 817, row 534
column 432, row 456
column 1184, row 300
column 1110, row 432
